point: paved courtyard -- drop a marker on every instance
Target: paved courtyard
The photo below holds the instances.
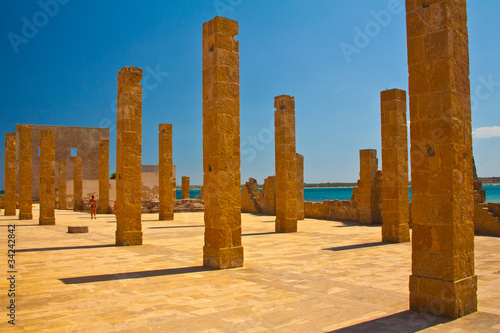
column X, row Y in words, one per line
column 330, row 276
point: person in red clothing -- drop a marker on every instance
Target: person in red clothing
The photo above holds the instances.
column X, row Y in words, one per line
column 93, row 207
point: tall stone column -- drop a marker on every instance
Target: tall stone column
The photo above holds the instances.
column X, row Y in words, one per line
column 77, row 183
column 185, row 187
column 61, row 167
column 443, row 280
column 396, row 206
column 128, row 157
column 286, row 164
column 47, row 177
column 367, row 186
column 166, row 172
column 221, row 145
column 300, row 187
column 10, row 174
column 104, row 176
column 25, row 173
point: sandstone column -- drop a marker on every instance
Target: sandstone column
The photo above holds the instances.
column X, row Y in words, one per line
column 396, row 207
column 442, row 280
column 300, row 187
column 128, row 157
column 77, row 183
column 285, row 164
column 104, row 176
column 367, row 186
column 61, row 167
column 25, row 173
column 166, row 172
column 185, row 187
column 221, row 145
column 47, row 177
column 10, row 174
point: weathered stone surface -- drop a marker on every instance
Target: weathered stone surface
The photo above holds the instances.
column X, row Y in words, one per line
column 61, row 166
column 300, row 187
column 128, row 157
column 25, row 173
column 185, row 187
column 251, row 197
column 10, row 174
column 77, row 184
column 221, row 145
column 47, row 177
column 268, row 196
column 166, row 180
column 367, row 187
column 78, row 229
column 286, row 164
column 395, row 227
column 104, row 207
column 442, row 280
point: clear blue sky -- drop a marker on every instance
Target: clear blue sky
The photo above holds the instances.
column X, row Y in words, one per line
column 65, row 73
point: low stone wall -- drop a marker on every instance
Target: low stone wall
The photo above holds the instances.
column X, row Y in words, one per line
column 486, row 219
column 338, row 210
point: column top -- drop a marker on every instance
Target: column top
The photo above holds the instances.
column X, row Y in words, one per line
column 391, row 94
column 164, row 127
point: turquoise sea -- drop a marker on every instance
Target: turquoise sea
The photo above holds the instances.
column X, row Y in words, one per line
column 345, row 193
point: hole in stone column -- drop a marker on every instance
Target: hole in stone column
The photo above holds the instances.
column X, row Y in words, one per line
column 430, row 151
column 74, row 152
column 283, row 107
column 209, row 168
column 211, row 48
column 38, row 151
column 426, row 3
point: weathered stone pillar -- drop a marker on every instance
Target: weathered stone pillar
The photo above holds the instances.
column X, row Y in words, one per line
column 367, row 186
column 442, row 280
column 47, row 177
column 221, row 145
column 61, row 167
column 269, row 195
column 77, row 183
column 104, row 176
column 300, row 187
column 285, row 164
column 25, row 173
column 396, row 206
column 166, row 172
column 185, row 187
column 128, row 157
column 10, row 174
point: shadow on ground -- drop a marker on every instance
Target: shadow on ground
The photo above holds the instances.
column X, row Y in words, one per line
column 402, row 322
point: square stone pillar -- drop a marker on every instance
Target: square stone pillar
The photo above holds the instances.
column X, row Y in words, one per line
column 443, row 280
column 128, row 157
column 221, row 145
column 166, row 179
column 10, row 174
column 285, row 164
column 104, row 176
column 396, row 206
column 61, row 168
column 367, row 186
column 300, row 187
column 77, row 183
column 269, row 195
column 185, row 187
column 25, row 173
column 47, row 177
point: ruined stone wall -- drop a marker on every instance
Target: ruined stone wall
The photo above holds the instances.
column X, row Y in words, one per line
column 84, row 139
column 268, row 196
column 251, row 197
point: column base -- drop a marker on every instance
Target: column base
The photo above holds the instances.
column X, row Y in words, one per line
column 128, row 238
column 166, row 216
column 229, row 257
column 395, row 233
column 286, row 225
column 451, row 299
column 10, row 212
column 47, row 222
column 26, row 216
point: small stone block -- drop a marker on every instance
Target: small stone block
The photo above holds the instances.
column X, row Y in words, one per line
column 78, row 230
